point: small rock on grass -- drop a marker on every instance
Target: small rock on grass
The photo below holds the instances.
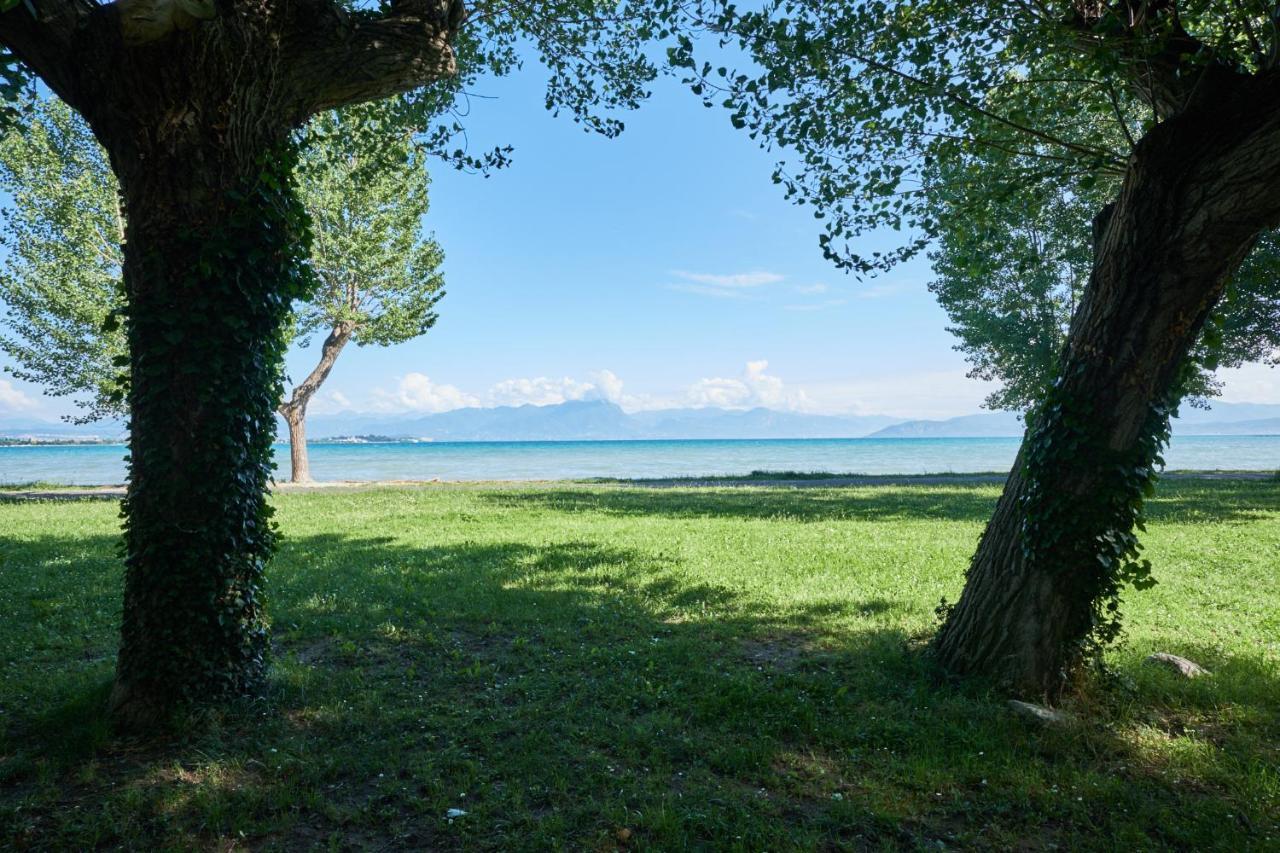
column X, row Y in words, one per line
column 1039, row 713
column 1180, row 666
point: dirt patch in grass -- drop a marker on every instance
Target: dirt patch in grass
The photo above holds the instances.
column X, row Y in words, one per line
column 782, row 651
column 313, row 652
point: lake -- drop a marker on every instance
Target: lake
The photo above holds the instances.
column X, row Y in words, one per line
column 553, row 460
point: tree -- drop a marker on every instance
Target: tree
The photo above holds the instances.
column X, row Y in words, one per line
column 196, row 103
column 868, row 94
column 1010, row 275
column 379, row 280
column 61, row 273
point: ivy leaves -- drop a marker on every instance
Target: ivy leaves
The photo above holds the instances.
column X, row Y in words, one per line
column 1093, row 539
column 205, row 319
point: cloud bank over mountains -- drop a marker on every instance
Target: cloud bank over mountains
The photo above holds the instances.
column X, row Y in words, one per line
column 755, row 388
column 418, row 393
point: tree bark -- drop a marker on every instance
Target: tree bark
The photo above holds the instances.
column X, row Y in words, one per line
column 1199, row 190
column 294, row 410
column 299, row 465
column 196, row 118
column 205, row 346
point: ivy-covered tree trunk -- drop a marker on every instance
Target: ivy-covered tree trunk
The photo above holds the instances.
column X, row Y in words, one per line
column 1200, row 188
column 211, row 266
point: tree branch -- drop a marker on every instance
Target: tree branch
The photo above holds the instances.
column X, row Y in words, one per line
column 45, row 41
column 1169, row 67
column 296, row 405
column 335, row 57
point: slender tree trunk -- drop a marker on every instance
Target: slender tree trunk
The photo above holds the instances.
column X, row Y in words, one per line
column 295, row 410
column 1199, row 190
column 299, row 466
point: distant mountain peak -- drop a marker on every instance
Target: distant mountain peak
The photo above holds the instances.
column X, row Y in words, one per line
column 987, row 425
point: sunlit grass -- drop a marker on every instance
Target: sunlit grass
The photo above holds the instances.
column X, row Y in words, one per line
column 581, row 666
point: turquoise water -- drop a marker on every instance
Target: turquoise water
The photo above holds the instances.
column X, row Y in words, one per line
column 551, row 460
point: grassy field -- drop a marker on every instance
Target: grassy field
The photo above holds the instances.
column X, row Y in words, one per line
column 604, row 667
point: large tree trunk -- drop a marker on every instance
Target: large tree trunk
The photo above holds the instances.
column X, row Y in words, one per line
column 294, row 410
column 213, row 258
column 1200, row 188
column 210, row 271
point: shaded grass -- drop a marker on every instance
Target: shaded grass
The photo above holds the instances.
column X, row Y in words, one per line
column 767, row 476
column 603, row 667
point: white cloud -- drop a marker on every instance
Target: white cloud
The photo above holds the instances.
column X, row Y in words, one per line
column 417, row 393
column 1251, row 383
column 720, row 393
column 813, row 289
column 539, row 391
column 14, row 400
column 724, row 285
column 608, row 386
column 767, row 389
column 931, row 394
column 741, row 279
column 922, row 394
column 329, row 403
column 755, row 388
column 717, row 292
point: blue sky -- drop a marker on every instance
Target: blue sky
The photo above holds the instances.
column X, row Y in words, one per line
column 666, row 257
column 662, row 268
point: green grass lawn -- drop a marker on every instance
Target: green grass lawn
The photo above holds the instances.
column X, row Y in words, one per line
column 602, row 667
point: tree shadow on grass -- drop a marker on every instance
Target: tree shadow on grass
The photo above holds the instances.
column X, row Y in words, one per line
column 1177, row 501
column 873, row 503
column 1187, row 501
column 60, row 606
column 580, row 695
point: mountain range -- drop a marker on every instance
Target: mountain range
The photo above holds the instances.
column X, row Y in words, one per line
column 587, row 420
column 598, row 420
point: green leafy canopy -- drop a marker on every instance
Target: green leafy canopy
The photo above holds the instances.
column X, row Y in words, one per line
column 61, row 276
column 365, row 194
column 366, row 198
column 990, row 135
column 1011, row 263
column 863, row 99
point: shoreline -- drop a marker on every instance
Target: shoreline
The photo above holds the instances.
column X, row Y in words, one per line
column 52, row 492
column 409, row 441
